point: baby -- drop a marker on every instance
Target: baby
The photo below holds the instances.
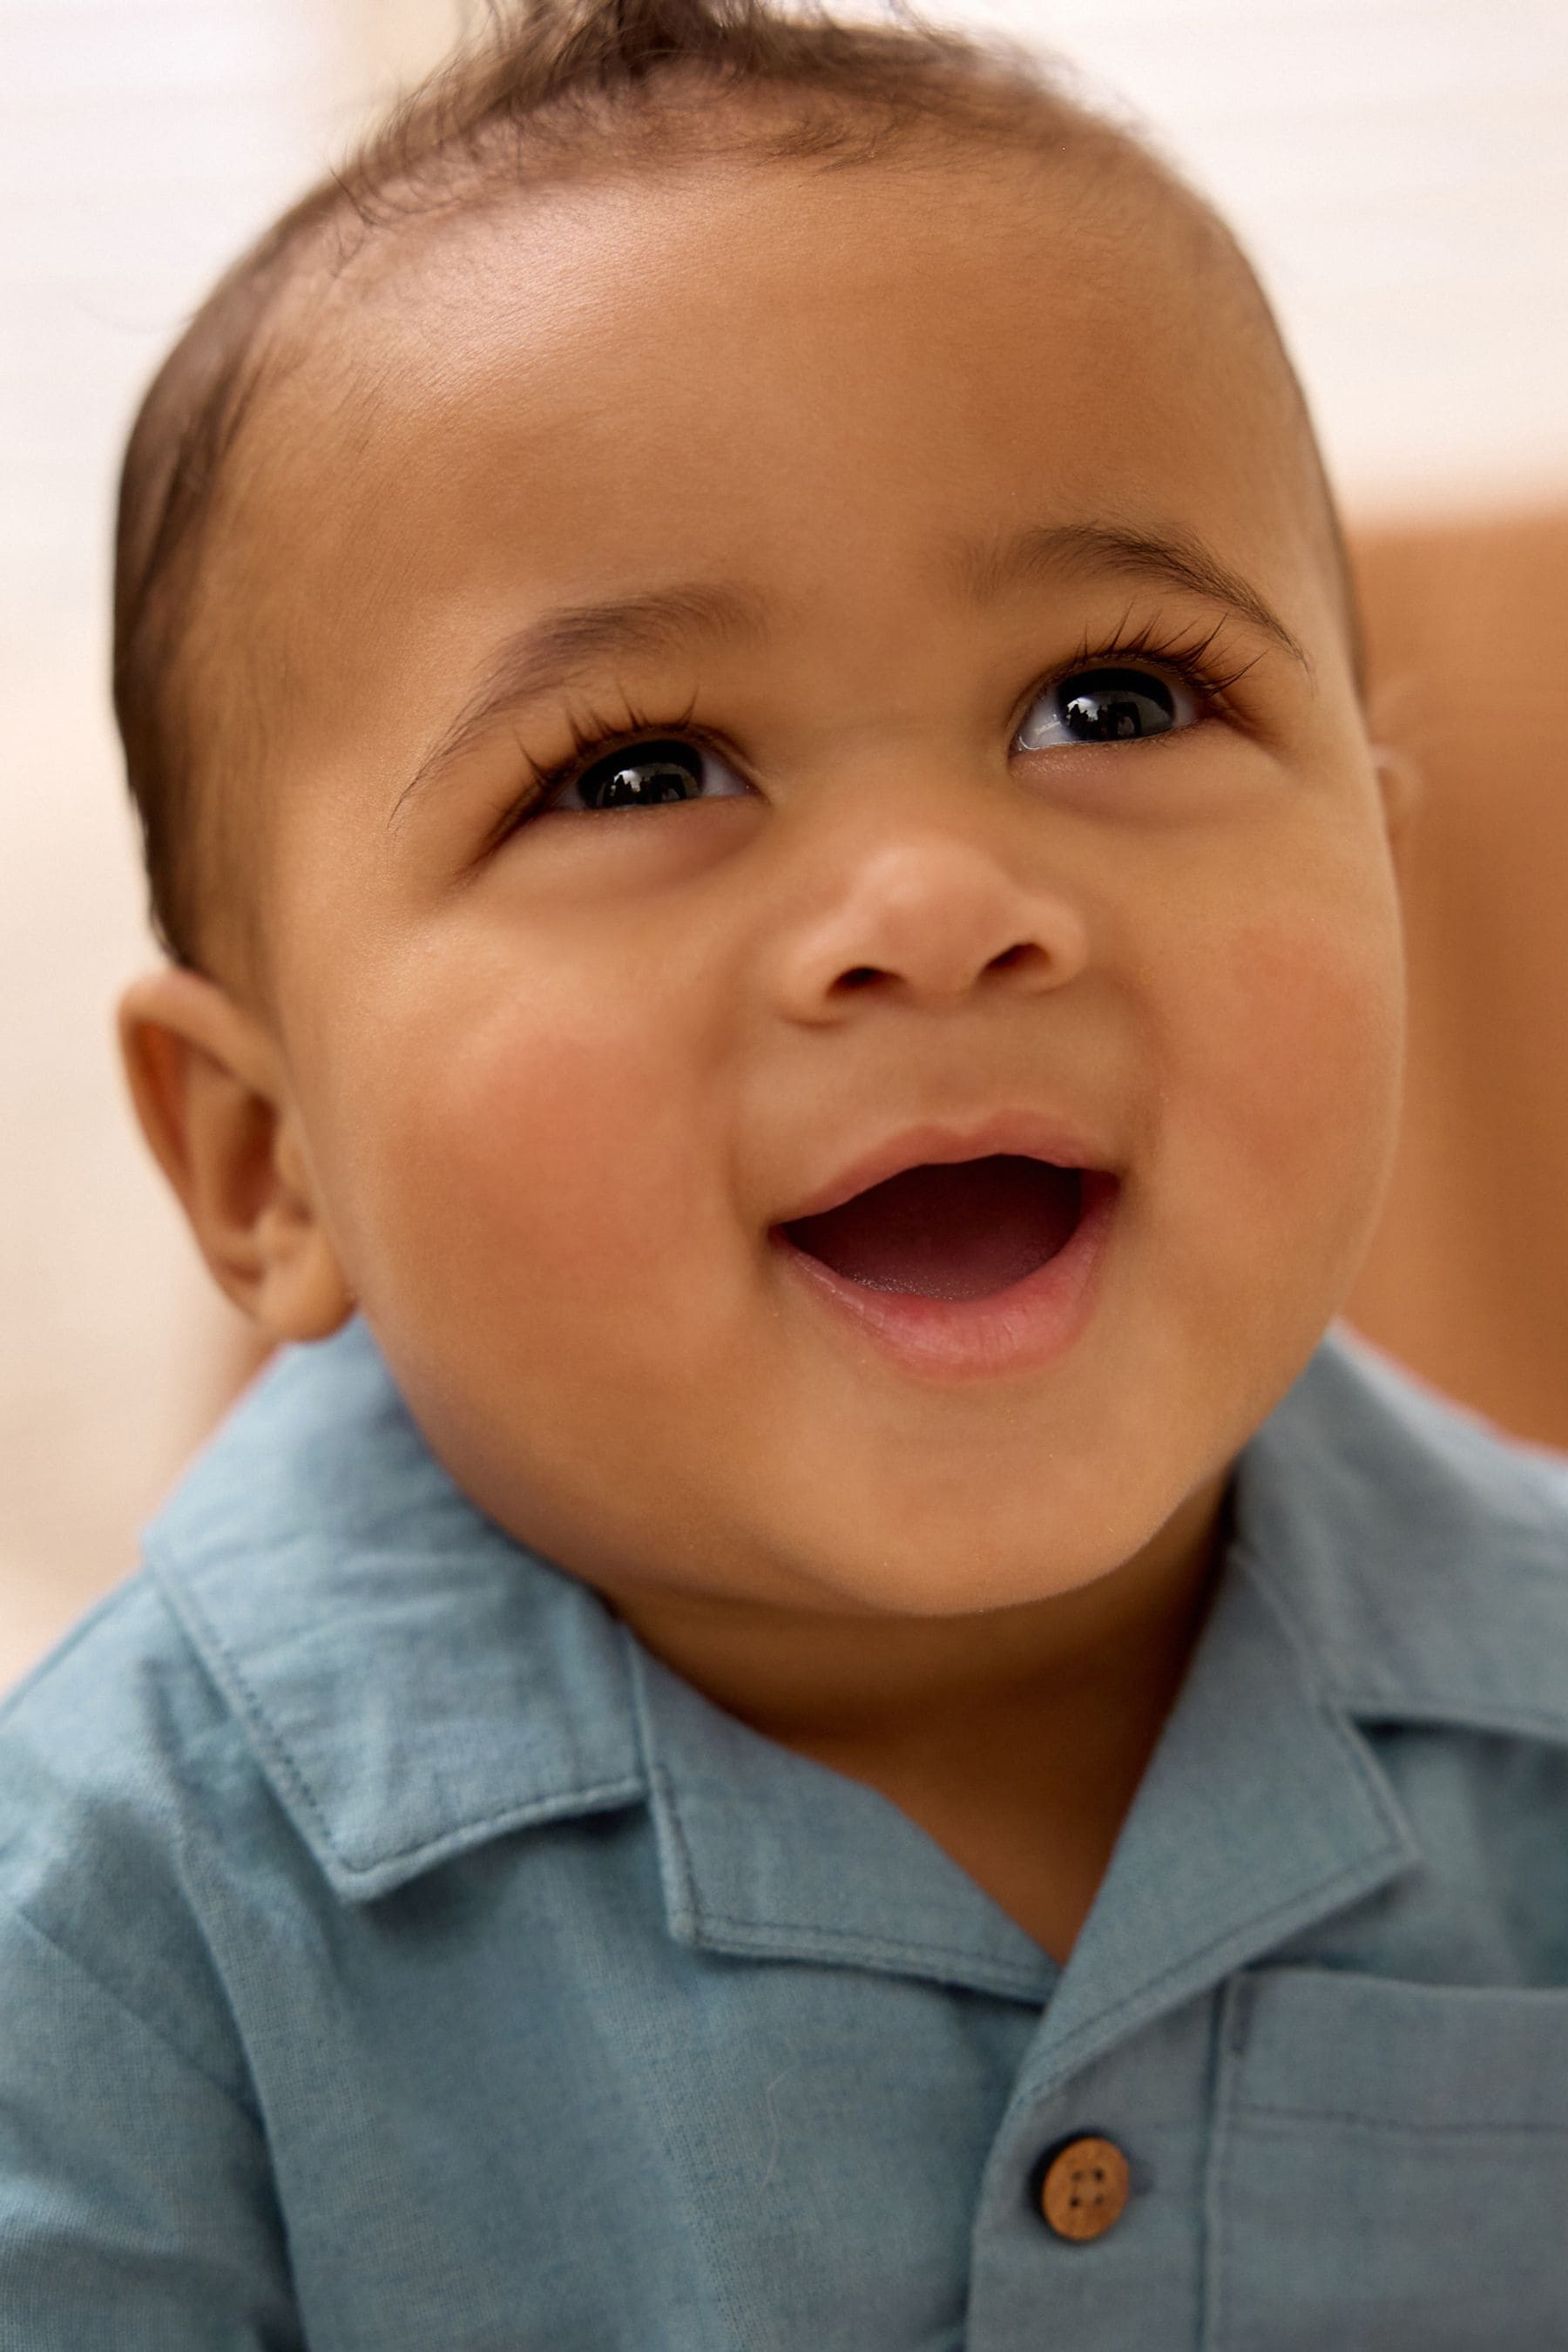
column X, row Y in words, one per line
column 814, row 1711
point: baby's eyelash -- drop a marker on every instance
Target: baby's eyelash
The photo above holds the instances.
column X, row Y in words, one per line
column 1191, row 655
column 594, row 732
column 1194, row 656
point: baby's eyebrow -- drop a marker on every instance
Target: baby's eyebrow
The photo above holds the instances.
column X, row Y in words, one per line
column 984, row 570
column 570, row 639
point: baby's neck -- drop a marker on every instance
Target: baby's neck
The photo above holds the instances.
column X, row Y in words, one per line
column 1017, row 1740
column 816, row 1681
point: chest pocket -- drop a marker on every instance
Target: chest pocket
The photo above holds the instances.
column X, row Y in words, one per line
column 1390, row 2166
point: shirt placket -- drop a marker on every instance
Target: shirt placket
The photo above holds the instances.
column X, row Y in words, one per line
column 1262, row 1811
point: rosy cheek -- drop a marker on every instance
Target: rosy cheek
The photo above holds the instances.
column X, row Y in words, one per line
column 542, row 1154
column 1296, row 1057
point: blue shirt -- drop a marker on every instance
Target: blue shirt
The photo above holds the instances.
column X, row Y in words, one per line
column 395, row 1956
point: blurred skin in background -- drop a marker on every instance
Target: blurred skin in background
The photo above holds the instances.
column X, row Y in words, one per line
column 1468, row 1279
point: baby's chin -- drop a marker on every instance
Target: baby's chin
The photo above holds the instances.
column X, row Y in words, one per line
column 869, row 1548
column 931, row 1592
column 994, row 1559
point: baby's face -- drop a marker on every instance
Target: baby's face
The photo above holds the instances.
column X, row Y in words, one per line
column 971, row 771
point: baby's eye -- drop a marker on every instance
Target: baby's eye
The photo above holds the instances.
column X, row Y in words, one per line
column 641, row 775
column 1106, row 706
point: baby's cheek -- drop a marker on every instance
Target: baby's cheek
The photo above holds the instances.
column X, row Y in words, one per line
column 1299, row 1067
column 539, row 1149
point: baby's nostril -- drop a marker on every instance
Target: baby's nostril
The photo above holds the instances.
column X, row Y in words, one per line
column 1021, row 952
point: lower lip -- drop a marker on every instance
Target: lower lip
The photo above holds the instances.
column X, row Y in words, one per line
column 1024, row 1328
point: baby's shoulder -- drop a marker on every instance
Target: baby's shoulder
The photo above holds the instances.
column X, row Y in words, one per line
column 119, row 1722
column 145, row 1823
column 1424, row 1550
column 132, row 1812
column 333, row 1671
column 1437, row 1468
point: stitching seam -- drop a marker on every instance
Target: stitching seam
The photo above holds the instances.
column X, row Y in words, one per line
column 154, row 2032
column 514, row 1814
column 1284, row 2119
column 1351, row 1873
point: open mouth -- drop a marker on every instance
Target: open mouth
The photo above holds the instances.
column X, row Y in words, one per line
column 958, row 1230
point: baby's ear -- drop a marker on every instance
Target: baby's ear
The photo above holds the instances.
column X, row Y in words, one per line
column 1395, row 703
column 212, row 1099
column 1399, row 781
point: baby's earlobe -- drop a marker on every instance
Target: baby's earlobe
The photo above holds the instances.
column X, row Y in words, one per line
column 212, row 1097
column 181, row 1038
column 1401, row 784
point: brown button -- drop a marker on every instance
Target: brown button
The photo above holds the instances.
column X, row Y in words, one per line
column 1085, row 2188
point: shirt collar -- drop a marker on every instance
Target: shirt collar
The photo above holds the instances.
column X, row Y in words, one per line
column 415, row 1682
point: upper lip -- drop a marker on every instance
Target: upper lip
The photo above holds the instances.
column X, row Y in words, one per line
column 1029, row 1135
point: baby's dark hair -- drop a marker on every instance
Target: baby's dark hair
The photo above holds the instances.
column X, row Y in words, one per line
column 548, row 89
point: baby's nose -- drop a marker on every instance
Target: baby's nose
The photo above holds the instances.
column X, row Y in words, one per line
column 929, row 918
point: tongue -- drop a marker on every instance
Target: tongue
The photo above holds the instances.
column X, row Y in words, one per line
column 959, row 1231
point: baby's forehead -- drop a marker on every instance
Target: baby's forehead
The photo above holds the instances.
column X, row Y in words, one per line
column 390, row 349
